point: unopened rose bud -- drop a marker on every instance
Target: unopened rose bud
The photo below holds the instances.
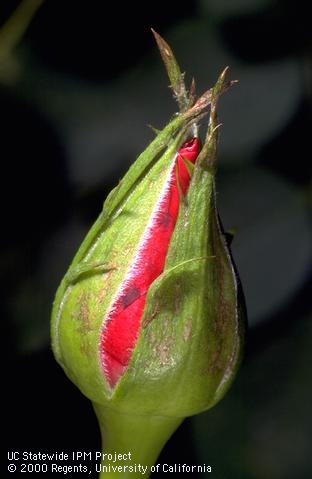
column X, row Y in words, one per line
column 147, row 321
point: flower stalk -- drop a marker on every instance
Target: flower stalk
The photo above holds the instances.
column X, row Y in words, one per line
column 137, row 440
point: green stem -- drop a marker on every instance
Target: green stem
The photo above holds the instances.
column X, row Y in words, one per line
column 138, row 440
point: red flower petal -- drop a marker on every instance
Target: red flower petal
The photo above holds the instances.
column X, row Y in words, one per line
column 121, row 325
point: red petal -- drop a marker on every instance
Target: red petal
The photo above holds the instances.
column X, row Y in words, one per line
column 122, row 323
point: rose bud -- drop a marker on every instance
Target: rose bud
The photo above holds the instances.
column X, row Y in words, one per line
column 148, row 321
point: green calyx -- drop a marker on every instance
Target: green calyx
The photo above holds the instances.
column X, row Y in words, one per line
column 191, row 333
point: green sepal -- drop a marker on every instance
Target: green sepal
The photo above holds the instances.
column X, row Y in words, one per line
column 175, row 75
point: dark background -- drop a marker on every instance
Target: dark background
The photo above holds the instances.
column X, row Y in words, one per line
column 76, row 95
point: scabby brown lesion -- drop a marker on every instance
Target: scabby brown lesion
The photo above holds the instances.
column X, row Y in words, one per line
column 152, row 316
column 177, row 298
column 82, row 318
column 106, row 282
column 187, row 329
column 82, row 313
